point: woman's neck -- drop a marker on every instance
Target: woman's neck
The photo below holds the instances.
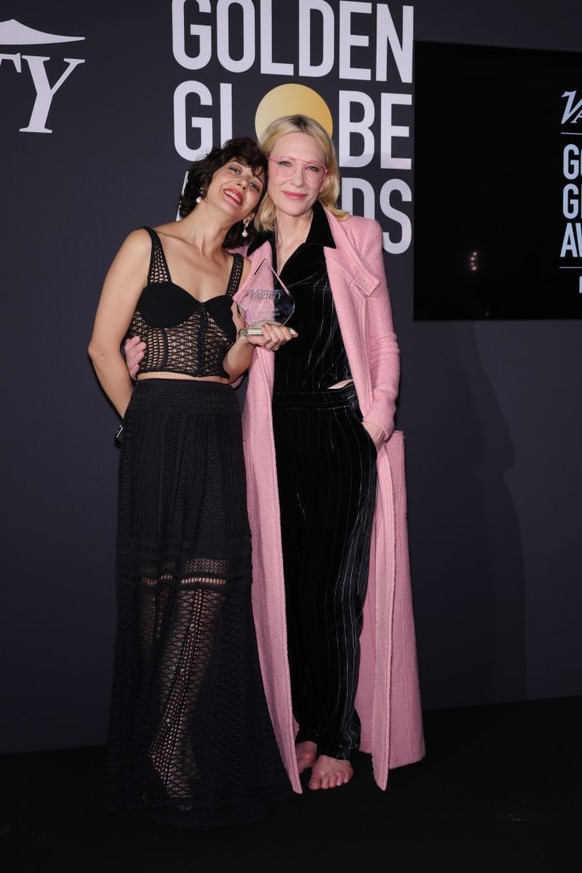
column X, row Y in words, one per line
column 203, row 233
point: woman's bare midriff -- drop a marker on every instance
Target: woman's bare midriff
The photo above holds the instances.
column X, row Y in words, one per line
column 163, row 374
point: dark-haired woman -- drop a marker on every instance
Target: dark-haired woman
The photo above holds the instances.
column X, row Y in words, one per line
column 190, row 740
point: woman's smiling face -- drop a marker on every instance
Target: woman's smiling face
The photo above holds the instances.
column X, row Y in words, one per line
column 295, row 193
column 237, row 189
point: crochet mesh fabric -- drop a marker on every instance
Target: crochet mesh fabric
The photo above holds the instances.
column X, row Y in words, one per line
column 197, row 345
column 188, row 703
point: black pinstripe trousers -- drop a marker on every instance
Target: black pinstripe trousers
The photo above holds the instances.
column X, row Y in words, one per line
column 326, row 467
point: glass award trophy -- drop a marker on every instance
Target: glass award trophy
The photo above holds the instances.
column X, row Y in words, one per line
column 265, row 300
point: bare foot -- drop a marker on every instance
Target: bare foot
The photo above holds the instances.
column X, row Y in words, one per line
column 306, row 754
column 330, row 773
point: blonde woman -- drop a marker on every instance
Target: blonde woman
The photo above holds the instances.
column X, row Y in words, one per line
column 325, row 474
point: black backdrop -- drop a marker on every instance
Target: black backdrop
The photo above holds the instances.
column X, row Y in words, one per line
column 490, row 411
column 110, row 154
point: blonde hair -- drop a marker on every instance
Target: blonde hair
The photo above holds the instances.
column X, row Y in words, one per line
column 328, row 196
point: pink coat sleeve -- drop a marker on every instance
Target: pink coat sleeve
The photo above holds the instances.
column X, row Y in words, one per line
column 360, row 288
column 384, row 356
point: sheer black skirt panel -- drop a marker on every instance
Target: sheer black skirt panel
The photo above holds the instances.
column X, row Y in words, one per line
column 190, row 740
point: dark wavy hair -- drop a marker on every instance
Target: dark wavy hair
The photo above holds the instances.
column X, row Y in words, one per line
column 247, row 152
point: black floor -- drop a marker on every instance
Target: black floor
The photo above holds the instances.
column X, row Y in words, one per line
column 500, row 789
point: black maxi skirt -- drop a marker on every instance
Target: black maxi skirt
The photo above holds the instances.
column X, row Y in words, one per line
column 190, row 738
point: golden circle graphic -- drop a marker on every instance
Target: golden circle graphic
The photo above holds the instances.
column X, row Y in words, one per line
column 292, row 100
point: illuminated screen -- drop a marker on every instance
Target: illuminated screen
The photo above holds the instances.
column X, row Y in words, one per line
column 497, row 210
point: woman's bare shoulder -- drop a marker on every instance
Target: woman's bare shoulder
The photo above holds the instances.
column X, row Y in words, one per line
column 137, row 240
column 135, row 247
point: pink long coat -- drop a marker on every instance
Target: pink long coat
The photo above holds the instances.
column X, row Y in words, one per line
column 388, row 698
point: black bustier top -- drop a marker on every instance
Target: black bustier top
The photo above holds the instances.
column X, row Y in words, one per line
column 182, row 334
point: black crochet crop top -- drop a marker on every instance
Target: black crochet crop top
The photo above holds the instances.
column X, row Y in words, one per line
column 182, row 334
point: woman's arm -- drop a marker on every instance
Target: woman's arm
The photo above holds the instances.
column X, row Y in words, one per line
column 123, row 284
column 384, row 354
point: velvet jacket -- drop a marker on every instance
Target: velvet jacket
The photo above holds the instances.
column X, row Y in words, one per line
column 388, row 697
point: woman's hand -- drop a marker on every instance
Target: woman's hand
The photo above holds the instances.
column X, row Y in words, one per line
column 273, row 336
column 239, row 356
column 134, row 350
column 377, row 434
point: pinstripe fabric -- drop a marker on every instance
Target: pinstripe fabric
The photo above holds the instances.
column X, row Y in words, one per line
column 326, row 468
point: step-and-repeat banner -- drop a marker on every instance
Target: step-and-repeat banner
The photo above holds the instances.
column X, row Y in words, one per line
column 102, row 109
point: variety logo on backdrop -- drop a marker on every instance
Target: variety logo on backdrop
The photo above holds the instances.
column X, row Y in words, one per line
column 361, row 48
column 571, row 251
column 13, row 33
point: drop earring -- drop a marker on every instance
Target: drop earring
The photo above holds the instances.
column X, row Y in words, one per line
column 244, row 232
column 199, row 198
